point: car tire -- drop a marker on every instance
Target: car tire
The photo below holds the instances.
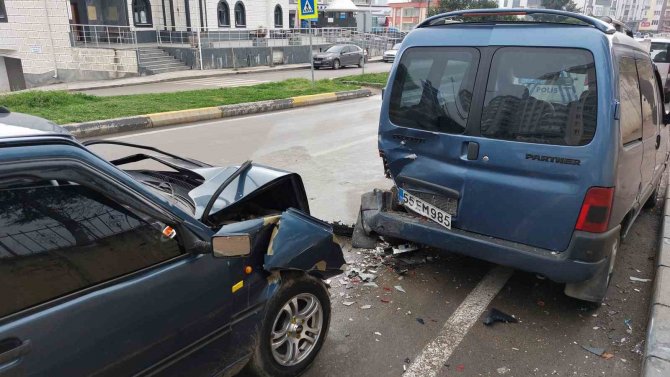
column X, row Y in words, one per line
column 336, row 64
column 653, row 198
column 282, row 314
column 360, row 63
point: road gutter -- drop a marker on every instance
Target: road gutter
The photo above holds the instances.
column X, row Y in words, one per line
column 656, row 362
column 170, row 118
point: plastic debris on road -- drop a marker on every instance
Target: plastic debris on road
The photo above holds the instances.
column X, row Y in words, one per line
column 503, row 370
column 641, row 280
column 594, row 350
column 366, row 307
column 399, row 289
column 405, row 248
column 496, row 315
column 421, row 321
column 348, row 303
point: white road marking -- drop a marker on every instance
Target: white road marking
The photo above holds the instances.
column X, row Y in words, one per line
column 224, row 120
column 432, row 358
column 344, row 146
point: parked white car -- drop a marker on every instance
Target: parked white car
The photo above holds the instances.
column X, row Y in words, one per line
column 389, row 55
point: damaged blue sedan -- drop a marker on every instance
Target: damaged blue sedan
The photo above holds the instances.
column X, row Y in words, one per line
column 186, row 269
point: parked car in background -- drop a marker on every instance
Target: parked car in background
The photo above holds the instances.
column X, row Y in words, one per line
column 179, row 269
column 537, row 154
column 339, row 56
column 389, row 55
column 660, row 54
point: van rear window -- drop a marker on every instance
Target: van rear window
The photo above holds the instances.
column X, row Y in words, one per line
column 541, row 95
column 432, row 89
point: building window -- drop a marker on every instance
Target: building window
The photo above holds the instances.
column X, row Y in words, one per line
column 223, row 12
column 3, row 11
column 654, row 22
column 410, row 12
column 279, row 17
column 240, row 15
column 142, row 13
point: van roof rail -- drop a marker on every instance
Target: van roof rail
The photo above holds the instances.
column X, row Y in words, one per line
column 453, row 17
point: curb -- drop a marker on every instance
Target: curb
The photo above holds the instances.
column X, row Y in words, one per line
column 656, row 362
column 170, row 118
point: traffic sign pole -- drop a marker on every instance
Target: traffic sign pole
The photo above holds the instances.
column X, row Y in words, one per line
column 308, row 10
column 311, row 51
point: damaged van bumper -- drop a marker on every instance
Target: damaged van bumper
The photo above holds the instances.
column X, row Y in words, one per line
column 585, row 255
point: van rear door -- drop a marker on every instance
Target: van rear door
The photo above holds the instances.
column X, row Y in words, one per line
column 498, row 137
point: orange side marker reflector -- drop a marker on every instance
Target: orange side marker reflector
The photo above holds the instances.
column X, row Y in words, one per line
column 169, row 232
column 248, row 270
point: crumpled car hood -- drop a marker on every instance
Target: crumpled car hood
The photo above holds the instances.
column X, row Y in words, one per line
column 271, row 188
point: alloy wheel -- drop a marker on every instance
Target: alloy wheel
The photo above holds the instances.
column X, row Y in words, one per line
column 296, row 329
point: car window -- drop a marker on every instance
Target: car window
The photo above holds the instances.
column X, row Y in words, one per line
column 659, row 52
column 650, row 98
column 432, row 89
column 629, row 97
column 59, row 237
column 541, row 95
column 335, row 49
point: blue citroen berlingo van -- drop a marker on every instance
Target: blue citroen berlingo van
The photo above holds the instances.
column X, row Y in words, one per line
column 528, row 138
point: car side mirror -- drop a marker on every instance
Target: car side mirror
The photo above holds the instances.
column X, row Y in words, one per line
column 237, row 245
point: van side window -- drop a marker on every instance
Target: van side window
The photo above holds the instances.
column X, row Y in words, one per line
column 433, row 87
column 629, row 96
column 660, row 52
column 650, row 98
column 541, row 95
column 60, row 237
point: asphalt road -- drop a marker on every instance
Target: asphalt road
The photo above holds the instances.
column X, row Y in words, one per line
column 434, row 327
column 245, row 79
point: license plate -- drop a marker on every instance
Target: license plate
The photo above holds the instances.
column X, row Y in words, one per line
column 423, row 208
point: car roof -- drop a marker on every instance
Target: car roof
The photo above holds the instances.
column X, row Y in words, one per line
column 664, row 40
column 18, row 125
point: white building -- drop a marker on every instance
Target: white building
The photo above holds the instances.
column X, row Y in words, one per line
column 44, row 41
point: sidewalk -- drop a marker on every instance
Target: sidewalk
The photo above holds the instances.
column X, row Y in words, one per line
column 172, row 76
column 163, row 77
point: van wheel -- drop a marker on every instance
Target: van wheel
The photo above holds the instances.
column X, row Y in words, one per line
column 653, row 198
column 294, row 328
column 595, row 289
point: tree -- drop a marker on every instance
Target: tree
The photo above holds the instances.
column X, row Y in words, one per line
column 568, row 5
column 444, row 6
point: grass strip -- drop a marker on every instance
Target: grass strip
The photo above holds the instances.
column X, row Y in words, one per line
column 64, row 107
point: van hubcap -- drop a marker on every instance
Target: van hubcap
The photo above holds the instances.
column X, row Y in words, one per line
column 296, row 329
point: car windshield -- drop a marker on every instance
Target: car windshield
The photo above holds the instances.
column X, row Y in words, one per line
column 396, row 46
column 659, row 52
column 337, row 48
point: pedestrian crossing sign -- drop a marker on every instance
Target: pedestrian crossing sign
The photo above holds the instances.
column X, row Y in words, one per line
column 308, row 9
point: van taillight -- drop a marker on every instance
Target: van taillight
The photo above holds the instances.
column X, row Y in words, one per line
column 594, row 216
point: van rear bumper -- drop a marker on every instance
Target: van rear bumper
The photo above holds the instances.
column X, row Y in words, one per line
column 585, row 255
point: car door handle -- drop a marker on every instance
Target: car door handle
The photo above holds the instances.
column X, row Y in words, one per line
column 473, row 150
column 13, row 348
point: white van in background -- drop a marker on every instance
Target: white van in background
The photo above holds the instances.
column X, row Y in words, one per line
column 660, row 54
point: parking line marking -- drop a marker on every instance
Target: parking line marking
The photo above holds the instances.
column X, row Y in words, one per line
column 345, row 146
column 432, row 358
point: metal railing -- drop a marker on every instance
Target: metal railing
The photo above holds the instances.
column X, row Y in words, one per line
column 102, row 36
